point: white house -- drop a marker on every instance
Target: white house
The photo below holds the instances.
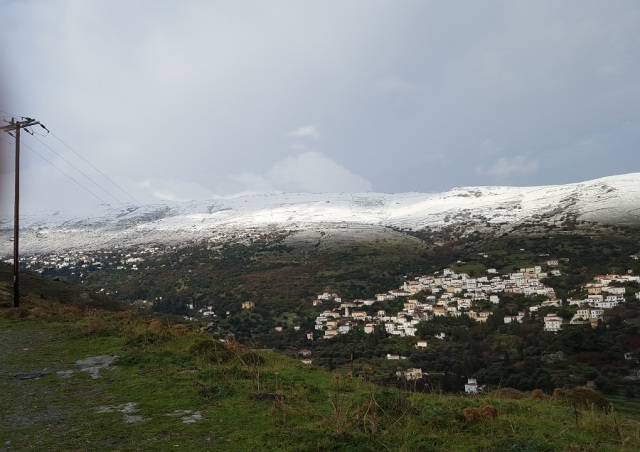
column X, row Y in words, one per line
column 369, row 328
column 330, row 334
column 359, row 315
column 552, row 322
column 344, row 329
column 410, row 374
column 471, row 387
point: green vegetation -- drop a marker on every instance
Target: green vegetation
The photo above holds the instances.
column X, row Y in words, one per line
column 282, row 277
column 171, row 387
column 279, row 278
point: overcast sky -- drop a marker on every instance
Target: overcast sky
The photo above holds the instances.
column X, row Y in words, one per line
column 184, row 100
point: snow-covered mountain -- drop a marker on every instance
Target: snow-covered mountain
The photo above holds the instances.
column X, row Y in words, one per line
column 613, row 199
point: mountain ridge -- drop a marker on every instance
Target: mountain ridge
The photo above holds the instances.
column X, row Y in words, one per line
column 607, row 200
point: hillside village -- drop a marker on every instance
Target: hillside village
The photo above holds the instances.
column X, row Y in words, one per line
column 452, row 294
column 78, row 263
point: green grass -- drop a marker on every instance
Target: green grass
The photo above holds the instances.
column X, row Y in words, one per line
column 626, row 406
column 162, row 370
column 472, row 268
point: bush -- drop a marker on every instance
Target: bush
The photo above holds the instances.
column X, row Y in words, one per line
column 472, row 415
column 15, row 313
column 212, row 392
column 475, row 415
column 181, row 329
column 211, row 350
column 252, row 359
column 488, row 411
column 507, row 393
column 395, row 403
column 583, row 397
column 152, row 332
column 538, row 394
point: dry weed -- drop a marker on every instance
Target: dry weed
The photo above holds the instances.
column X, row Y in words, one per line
column 507, row 393
column 538, row 394
column 472, row 415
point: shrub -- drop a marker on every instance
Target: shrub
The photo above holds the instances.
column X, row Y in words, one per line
column 507, row 393
column 395, row 403
column 153, row 332
column 538, row 394
column 472, row 415
column 212, row 392
column 252, row 359
column 211, row 350
column 156, row 325
column 488, row 411
column 180, row 329
column 583, row 397
column 15, row 313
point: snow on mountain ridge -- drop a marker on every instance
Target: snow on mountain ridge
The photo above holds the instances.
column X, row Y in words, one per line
column 607, row 200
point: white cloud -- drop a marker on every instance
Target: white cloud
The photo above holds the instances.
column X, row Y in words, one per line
column 310, row 131
column 506, row 167
column 309, row 171
column 161, row 190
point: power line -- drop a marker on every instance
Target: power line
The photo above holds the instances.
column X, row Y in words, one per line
column 63, row 172
column 11, row 114
column 80, row 171
column 7, row 141
column 92, row 166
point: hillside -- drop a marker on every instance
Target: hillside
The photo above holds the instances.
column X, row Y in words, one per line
column 282, row 273
column 609, row 200
column 77, row 378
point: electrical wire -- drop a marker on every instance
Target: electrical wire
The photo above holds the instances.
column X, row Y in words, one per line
column 63, row 172
column 92, row 166
column 10, row 114
column 7, row 141
column 35, row 132
column 80, row 171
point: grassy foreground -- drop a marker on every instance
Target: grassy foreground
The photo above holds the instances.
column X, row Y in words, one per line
column 171, row 388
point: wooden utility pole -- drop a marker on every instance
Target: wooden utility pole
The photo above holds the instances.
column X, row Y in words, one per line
column 16, row 126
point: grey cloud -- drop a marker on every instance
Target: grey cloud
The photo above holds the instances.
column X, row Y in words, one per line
column 505, row 167
column 213, row 93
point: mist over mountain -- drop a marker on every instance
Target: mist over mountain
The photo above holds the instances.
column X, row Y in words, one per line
column 609, row 200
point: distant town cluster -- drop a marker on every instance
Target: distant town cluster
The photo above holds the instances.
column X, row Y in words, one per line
column 451, row 294
column 79, row 263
